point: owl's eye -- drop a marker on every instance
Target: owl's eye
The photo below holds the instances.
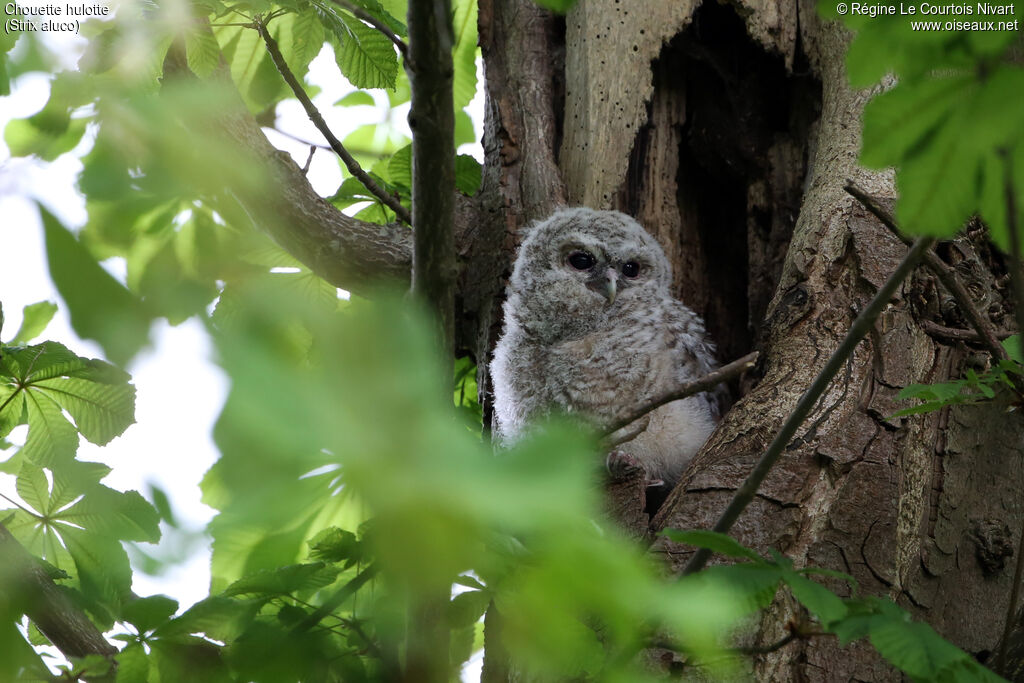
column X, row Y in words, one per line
column 581, row 260
column 630, row 269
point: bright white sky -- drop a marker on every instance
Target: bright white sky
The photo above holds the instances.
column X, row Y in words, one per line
column 180, row 389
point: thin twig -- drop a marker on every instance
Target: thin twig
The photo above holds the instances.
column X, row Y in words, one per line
column 309, row 159
column 1017, row 277
column 860, row 327
column 361, row 151
column 947, row 276
column 708, row 381
column 377, row 24
column 958, row 334
column 311, row 111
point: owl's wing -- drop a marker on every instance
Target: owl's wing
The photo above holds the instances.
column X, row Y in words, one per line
column 693, row 352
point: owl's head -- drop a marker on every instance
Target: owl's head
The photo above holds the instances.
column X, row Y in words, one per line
column 580, row 266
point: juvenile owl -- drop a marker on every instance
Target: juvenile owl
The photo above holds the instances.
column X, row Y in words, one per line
column 591, row 329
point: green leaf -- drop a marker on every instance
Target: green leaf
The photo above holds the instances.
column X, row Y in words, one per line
column 1013, row 348
column 560, row 6
column 466, row 608
column 305, row 40
column 202, row 51
column 357, row 98
column 35, row 318
column 218, row 617
column 51, row 439
column 335, row 545
column 468, row 174
column 914, row 647
column 898, row 121
column 101, row 411
column 464, row 24
column 34, row 489
column 284, row 580
column 822, row 602
column 719, row 543
column 400, row 167
column 148, row 613
column 100, row 307
column 132, row 665
column 25, row 137
column 753, row 585
column 124, row 516
column 365, row 56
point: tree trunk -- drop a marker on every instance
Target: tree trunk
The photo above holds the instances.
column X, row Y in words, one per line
column 731, row 140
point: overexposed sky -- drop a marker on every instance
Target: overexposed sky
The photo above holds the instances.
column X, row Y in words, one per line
column 180, row 388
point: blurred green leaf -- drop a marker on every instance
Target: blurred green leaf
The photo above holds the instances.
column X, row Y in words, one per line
column 358, row 98
column 202, row 51
column 100, row 307
column 148, row 613
column 560, row 6
column 132, row 665
column 719, row 543
column 35, row 318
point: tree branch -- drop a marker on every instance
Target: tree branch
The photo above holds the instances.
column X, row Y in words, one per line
column 357, row 255
column 708, row 381
column 955, row 333
column 359, row 13
column 314, row 115
column 860, row 327
column 25, row 580
column 946, row 275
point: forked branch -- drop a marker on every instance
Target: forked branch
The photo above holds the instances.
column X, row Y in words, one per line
column 314, row 115
column 986, row 331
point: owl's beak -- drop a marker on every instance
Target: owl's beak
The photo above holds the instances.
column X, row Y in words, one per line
column 611, row 281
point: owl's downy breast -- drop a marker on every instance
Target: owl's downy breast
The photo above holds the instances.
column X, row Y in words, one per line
column 599, row 375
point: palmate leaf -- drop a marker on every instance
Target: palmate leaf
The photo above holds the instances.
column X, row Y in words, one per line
column 45, row 380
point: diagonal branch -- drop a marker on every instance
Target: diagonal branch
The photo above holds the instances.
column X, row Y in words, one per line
column 50, row 609
column 314, row 115
column 860, row 327
column 946, row 275
column 708, row 381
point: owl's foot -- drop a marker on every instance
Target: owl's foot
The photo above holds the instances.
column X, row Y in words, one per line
column 622, row 465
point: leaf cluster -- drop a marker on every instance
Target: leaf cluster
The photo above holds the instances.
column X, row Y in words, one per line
column 911, row 646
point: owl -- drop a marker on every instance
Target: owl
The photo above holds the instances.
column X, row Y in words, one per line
column 591, row 329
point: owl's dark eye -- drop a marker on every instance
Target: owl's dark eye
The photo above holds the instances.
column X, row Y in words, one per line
column 630, row 269
column 581, row 260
